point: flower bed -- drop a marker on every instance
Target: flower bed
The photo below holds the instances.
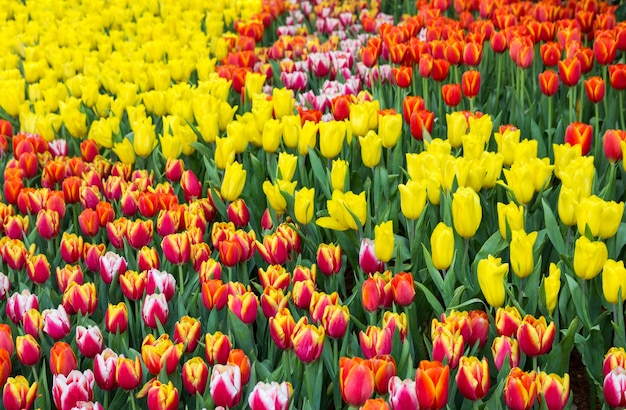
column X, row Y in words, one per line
column 311, row 205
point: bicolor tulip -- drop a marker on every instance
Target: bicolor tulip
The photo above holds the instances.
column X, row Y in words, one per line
column 162, row 396
column 225, row 385
column 553, row 390
column 505, row 348
column 28, row 350
column 68, row 390
column 104, row 369
column 614, row 387
column 356, row 380
column 431, row 384
column 520, row 389
column 89, row 340
column 578, row 133
column 535, row 336
column 18, row 394
column 473, row 377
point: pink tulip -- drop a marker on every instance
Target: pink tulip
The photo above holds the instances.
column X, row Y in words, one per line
column 111, row 265
column 226, row 385
column 76, row 387
column 154, row 308
column 56, row 322
column 402, row 394
column 270, row 396
column 89, row 340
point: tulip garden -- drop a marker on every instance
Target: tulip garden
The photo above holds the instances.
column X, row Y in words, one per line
column 281, row 204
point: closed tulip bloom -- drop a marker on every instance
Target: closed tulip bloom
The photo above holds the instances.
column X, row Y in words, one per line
column 233, row 182
column 466, row 211
column 614, row 281
column 389, row 128
column 403, row 288
column 62, row 359
column 340, row 169
column 371, row 149
column 613, row 145
column 17, row 394
column 552, row 285
column 589, row 257
column 28, row 350
column 104, row 369
column 602, row 218
column 491, row 274
column 521, row 252
column 535, row 336
column 614, row 387
column 578, row 133
column 473, row 377
column 548, row 82
column 356, row 379
column 375, row 404
column 505, row 348
column 162, row 396
column 225, row 385
column 245, row 306
column 570, row 71
column 270, row 396
column 384, row 241
column 154, row 308
column 511, row 215
column 128, row 372
column 457, row 127
column 304, row 205
column 187, row 331
column 375, row 341
column 412, row 198
column 48, row 223
column 332, row 135
column 89, row 341
column 431, row 384
column 125, row 151
column 402, row 394
column 335, row 320
column 442, row 246
column 307, row 340
column 520, row 389
column 508, row 320
column 470, row 83
column 451, row 94
column 448, row 346
column 68, row 390
column 329, row 258
column 594, row 88
column 553, row 390
column 56, row 322
column 274, row 195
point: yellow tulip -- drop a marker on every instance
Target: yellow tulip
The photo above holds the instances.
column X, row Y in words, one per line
column 338, row 174
column 75, row 121
column 563, row 155
column 614, row 280
column 455, row 168
column 521, row 252
column 238, row 133
column 233, row 182
column 579, row 173
column 224, row 152
column 476, row 175
column 506, row 144
column 541, row 171
column 481, row 126
column 12, row 96
column 171, row 146
column 415, row 165
column 291, row 130
column 272, row 133
column 359, row 119
column 589, row 257
column 208, row 125
column 433, row 188
column 274, row 194
column 566, row 205
column 551, row 286
column 442, row 246
column 438, row 148
column 226, row 113
column 491, row 274
column 262, row 110
column 519, row 180
column 473, row 145
column 332, row 134
column 308, row 137
column 144, row 140
column 510, row 214
column 283, row 102
column 389, row 129
column 412, row 198
column 384, row 241
column 254, row 84
column 124, row 151
column 250, row 132
column 457, row 128
column 525, row 150
column 371, row 149
column 492, row 162
column 601, row 217
column 466, row 212
column 339, row 218
column 304, row 205
column 286, row 166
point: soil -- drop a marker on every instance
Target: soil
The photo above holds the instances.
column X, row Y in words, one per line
column 579, row 383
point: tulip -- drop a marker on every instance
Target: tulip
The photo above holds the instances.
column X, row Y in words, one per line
column 281, row 327
column 28, row 350
column 329, row 258
column 368, row 261
column 520, row 389
column 601, row 217
column 340, row 218
column 124, row 151
column 389, row 128
column 335, row 320
column 578, row 133
column 473, row 378
column 616, row 356
column 245, row 306
column 491, row 274
column 233, row 182
column 521, row 249
column 304, row 205
column 421, row 120
column 17, row 394
column 154, row 308
column 192, row 188
column 374, row 404
column 614, row 281
column 161, row 353
column 104, row 368
column 614, row 387
column 508, row 320
column 505, row 348
column 383, row 241
column 470, row 83
column 128, row 372
column 442, row 246
column 332, row 135
column 71, row 247
column 162, row 396
column 375, row 341
column 161, row 282
column 70, row 389
column 5, row 366
column 412, row 198
column 553, row 390
column 457, row 127
column 270, row 396
column 548, row 82
column 111, row 265
column 612, row 145
column 384, row 367
column 466, row 212
column 79, row 299
column 511, row 217
column 594, row 88
column 431, row 384
column 617, row 76
column 195, row 374
column 535, row 336
column 48, row 223
column 448, row 345
column 451, row 94
column 356, row 380
column 217, row 348
column 552, row 285
column 56, row 322
column 589, row 257
column 307, row 340
column 569, row 71
column 319, row 302
column 225, row 385
column 402, row 76
column 133, row 284
column 89, row 341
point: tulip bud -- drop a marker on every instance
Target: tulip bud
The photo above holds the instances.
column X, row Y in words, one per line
column 329, row 258
column 274, row 396
column 376, row 341
column 442, row 246
column 431, row 384
column 128, row 372
column 18, row 394
column 384, row 241
column 473, row 378
column 521, row 252
column 553, row 390
column 225, row 385
column 356, row 380
column 402, row 394
column 104, row 368
column 491, row 274
column 520, row 389
column 589, row 257
column 217, row 348
column 80, row 384
column 56, row 322
column 466, row 212
column 62, row 359
column 195, row 375
column 508, row 320
column 89, row 341
column 307, row 340
column 28, row 350
column 535, row 336
column 154, row 308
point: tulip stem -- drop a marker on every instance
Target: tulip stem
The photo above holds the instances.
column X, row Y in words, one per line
column 425, row 92
column 596, row 132
column 133, row 402
column 549, row 127
column 571, row 93
column 621, row 109
column 535, row 364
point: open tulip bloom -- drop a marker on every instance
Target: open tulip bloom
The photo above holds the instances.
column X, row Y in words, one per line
column 275, row 204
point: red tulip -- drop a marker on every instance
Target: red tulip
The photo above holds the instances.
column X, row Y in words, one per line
column 505, row 348
column 550, row 53
column 431, row 384
column 473, row 377
column 612, row 144
column 195, row 375
column 18, row 394
column 451, row 94
column 62, row 359
column 570, row 71
column 470, row 83
column 520, row 389
column 128, row 372
column 554, row 390
column 28, row 350
column 617, row 76
column 578, row 133
column 307, row 340
column 535, row 336
column 356, row 380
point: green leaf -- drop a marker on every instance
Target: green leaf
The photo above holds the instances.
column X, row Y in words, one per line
column 557, row 361
column 552, row 226
column 432, row 299
column 319, row 172
column 243, row 335
column 577, row 295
